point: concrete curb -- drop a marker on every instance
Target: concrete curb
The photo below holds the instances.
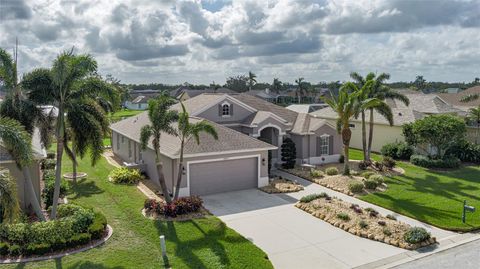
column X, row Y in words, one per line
column 444, row 244
column 63, row 254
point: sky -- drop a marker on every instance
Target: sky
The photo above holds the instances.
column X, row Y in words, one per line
column 167, row 41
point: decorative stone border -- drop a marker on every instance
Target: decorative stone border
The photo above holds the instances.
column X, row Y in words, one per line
column 89, row 246
column 80, row 175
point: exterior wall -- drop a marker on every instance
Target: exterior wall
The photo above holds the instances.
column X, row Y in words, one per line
column 306, row 146
column 239, row 113
column 270, row 122
column 132, row 106
column 472, row 135
column 17, row 174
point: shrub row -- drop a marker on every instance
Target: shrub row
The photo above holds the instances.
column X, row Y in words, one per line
column 397, row 150
column 425, row 161
column 47, row 192
column 74, row 226
column 49, row 164
column 313, row 196
column 466, row 151
column 181, row 206
column 123, row 175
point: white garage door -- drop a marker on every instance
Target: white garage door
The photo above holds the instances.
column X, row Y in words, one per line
column 223, row 176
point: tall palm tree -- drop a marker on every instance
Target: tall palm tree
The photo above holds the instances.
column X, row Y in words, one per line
column 301, row 88
column 161, row 119
column 9, row 207
column 252, row 80
column 72, row 87
column 187, row 130
column 348, row 104
column 18, row 143
column 474, row 116
column 276, row 85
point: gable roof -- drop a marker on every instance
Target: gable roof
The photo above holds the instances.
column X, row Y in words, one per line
column 425, row 103
column 228, row 140
column 454, row 98
column 262, row 105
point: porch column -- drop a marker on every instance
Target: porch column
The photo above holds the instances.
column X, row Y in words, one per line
column 280, row 141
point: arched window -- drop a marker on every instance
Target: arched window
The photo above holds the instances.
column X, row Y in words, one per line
column 225, row 110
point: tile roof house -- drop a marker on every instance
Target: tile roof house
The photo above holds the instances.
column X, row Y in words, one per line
column 454, row 98
column 248, row 128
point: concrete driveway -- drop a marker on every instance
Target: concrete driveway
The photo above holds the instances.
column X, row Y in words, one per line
column 293, row 238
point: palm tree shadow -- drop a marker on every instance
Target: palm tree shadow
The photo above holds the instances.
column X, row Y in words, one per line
column 84, row 188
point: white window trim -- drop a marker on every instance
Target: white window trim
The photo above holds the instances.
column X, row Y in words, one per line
column 326, row 145
column 229, row 109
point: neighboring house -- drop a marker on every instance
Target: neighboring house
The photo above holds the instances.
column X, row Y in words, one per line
column 248, row 128
column 139, row 103
column 454, row 98
column 306, row 108
column 184, row 93
column 421, row 105
column 7, row 162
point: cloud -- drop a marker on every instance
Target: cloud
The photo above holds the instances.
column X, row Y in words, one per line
column 14, row 10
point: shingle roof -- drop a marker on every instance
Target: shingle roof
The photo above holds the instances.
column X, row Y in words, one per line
column 38, row 150
column 425, row 103
column 198, row 103
column 262, row 105
column 228, row 139
column 454, row 98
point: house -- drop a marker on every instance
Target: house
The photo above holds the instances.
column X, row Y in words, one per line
column 454, row 99
column 248, row 128
column 306, row 108
column 7, row 162
column 138, row 103
column 421, row 105
column 184, row 93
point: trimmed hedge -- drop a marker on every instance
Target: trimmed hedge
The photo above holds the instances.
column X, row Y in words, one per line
column 123, row 175
column 49, row 164
column 181, row 206
column 47, row 192
column 425, row 161
column 315, row 173
column 313, row 196
column 331, row 171
column 397, row 150
column 74, row 226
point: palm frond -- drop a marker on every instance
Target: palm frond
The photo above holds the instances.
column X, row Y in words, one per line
column 469, row 97
column 16, row 140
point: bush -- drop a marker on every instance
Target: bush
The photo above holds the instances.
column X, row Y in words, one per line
column 181, row 206
column 377, row 178
column 38, row 249
column 386, row 231
column 390, row 216
column 370, row 184
column 424, row 161
column 388, row 162
column 355, row 187
column 80, row 239
column 372, row 212
column 97, row 228
column 4, row 248
column 367, row 174
column 397, row 150
column 14, row 250
column 314, row 196
column 49, row 164
column 51, row 155
column 363, row 165
column 315, row 173
column 466, row 151
column 416, row 235
column 363, row 224
column 341, row 159
column 356, row 208
column 343, row 216
column 47, row 192
column 382, row 223
column 289, row 153
column 123, row 175
column 331, row 171
column 48, row 174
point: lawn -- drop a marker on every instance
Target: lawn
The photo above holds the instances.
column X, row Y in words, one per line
column 201, row 243
column 125, row 113
column 431, row 196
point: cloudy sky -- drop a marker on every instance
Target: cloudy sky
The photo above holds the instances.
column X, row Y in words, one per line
column 142, row 41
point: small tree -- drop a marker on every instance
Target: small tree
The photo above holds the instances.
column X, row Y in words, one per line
column 438, row 131
column 289, row 153
column 9, row 207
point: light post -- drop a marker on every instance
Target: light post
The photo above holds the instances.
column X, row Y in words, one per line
column 466, row 208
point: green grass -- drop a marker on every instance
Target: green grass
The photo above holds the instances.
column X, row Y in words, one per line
column 431, row 196
column 106, row 141
column 126, row 113
column 200, row 243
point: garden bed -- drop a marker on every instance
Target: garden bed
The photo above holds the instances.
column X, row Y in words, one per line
column 181, row 209
column 280, row 185
column 365, row 222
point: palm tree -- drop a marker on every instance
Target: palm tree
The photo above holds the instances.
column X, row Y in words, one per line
column 72, row 87
column 161, row 119
column 474, row 116
column 18, row 143
column 252, row 80
column 187, row 130
column 301, row 88
column 348, row 104
column 9, row 207
column 276, row 85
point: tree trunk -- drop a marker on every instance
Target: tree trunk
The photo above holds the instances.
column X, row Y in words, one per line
column 58, row 178
column 163, row 185
column 74, row 168
column 31, row 193
column 364, row 138
column 370, row 136
column 180, row 172
column 346, row 136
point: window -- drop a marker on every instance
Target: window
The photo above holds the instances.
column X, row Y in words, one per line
column 140, row 157
column 324, row 145
column 123, row 139
column 225, row 110
column 351, row 125
column 129, row 149
column 118, row 141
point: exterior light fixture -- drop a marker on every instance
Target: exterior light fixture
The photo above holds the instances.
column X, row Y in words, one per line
column 466, row 208
column 183, row 170
column 263, row 161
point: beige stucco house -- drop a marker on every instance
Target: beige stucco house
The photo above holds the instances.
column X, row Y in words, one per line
column 248, row 128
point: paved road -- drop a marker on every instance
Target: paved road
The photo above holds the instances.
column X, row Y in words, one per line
column 465, row 257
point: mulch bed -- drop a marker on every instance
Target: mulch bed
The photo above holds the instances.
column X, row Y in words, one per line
column 328, row 209
column 279, row 185
column 202, row 213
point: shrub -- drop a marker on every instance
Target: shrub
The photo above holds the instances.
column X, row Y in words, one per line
column 51, row 155
column 367, row 174
column 397, row 150
column 355, row 186
column 331, row 171
column 382, row 223
column 424, row 161
column 370, row 184
column 341, row 159
column 49, row 164
column 315, row 173
column 48, row 174
column 4, row 248
column 416, row 235
column 372, row 212
column 466, row 151
column 123, row 175
column 378, row 165
column 14, row 250
column 363, row 224
column 388, row 162
column 38, row 249
column 289, row 153
column 386, row 231
column 97, row 228
column 390, row 216
column 363, row 165
column 377, row 178
column 47, row 192
column 313, row 196
column 80, row 239
column 356, row 208
column 343, row 216
column 181, row 206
